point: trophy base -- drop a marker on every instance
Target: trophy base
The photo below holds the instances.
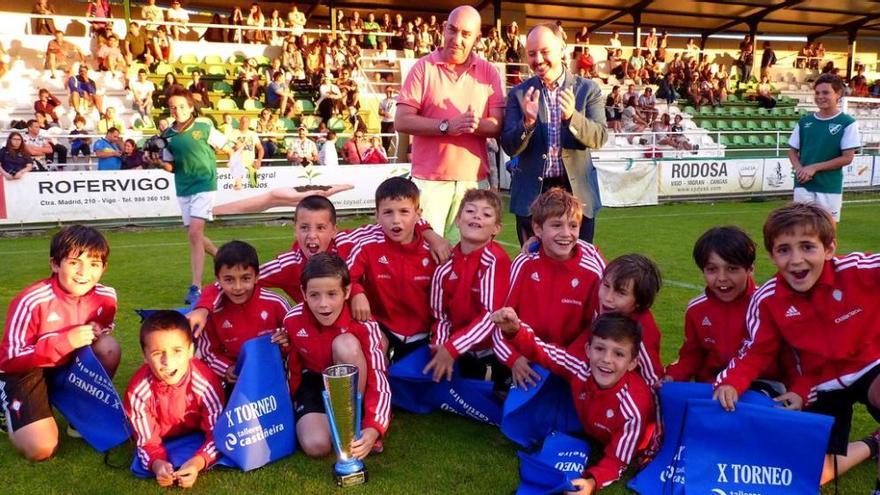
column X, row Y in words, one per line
column 350, row 479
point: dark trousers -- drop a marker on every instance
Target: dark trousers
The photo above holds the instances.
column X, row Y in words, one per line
column 524, row 224
column 387, row 128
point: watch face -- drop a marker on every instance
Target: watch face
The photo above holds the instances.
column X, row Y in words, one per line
column 444, row 126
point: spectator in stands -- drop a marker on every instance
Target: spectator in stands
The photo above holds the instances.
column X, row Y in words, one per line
column 805, row 55
column 110, row 56
column 47, row 103
column 387, row 109
column 450, row 120
column 768, row 59
column 301, row 150
column 227, row 126
column 169, row 86
column 136, row 46
column 330, row 97
column 43, row 121
column 818, row 55
column 235, row 19
column 255, row 19
column 4, row 61
column 109, row 120
column 353, row 150
column 247, row 144
column 859, row 83
column 279, row 96
column 108, row 149
column 296, row 20
column 83, row 92
column 98, row 9
column 630, row 93
column 215, row 34
column 617, row 65
column 61, row 51
column 709, row 91
column 582, row 37
column 328, row 154
column 132, row 157
column 153, row 15
column 666, row 89
column 163, row 124
column 632, row 120
column 247, row 84
column 375, row 153
column 15, row 162
column 160, row 44
column 199, row 90
column 275, row 21
column 764, row 93
column 43, row 26
column 371, row 27
column 292, row 62
column 178, row 15
column 662, row 45
column 681, row 141
column 80, row 146
column 614, row 109
column 356, row 26
column 692, row 49
column 676, row 66
column 745, row 60
column 647, row 104
column 874, row 90
column 267, row 124
column 635, row 65
column 586, row 64
column 39, row 147
column 614, row 44
column 650, row 45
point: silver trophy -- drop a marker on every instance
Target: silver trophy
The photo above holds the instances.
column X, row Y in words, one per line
column 343, row 404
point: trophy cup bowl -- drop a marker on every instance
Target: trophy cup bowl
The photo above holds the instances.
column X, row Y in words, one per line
column 343, row 404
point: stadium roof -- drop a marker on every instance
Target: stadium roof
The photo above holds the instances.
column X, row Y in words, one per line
column 813, row 18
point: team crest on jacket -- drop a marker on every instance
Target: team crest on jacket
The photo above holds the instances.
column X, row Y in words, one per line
column 101, row 309
column 609, row 413
column 575, row 282
column 834, row 128
column 264, row 315
column 425, row 261
column 226, row 324
column 197, row 135
column 837, row 295
column 536, row 277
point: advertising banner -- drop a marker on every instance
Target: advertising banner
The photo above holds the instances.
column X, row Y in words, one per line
column 858, row 173
column 141, row 194
column 778, row 175
column 875, row 180
column 627, row 183
column 704, row 177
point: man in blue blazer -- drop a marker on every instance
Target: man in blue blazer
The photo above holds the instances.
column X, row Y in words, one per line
column 551, row 122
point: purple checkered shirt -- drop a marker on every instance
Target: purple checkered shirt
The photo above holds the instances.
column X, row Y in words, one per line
column 553, row 164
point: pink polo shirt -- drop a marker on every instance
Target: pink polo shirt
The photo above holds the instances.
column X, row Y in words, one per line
column 434, row 90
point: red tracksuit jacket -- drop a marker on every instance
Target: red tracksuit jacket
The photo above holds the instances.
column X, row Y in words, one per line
column 650, row 366
column 39, row 318
column 310, row 349
column 833, row 329
column 231, row 325
column 621, row 418
column 396, row 279
column 557, row 299
column 464, row 292
column 158, row 410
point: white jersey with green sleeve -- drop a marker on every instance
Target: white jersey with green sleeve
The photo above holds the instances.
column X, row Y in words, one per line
column 818, row 140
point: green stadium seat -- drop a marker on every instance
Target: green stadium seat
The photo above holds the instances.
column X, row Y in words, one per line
column 733, row 99
column 791, row 112
column 782, row 125
column 227, row 105
column 222, row 86
column 763, row 112
column 336, row 124
column 783, row 141
column 311, row 122
column 750, row 112
column 752, row 125
column 236, row 59
column 251, row 104
column 739, row 141
column 707, row 124
column 143, row 124
column 737, row 125
column 189, row 69
column 769, row 140
column 187, row 59
column 767, row 125
column 307, row 106
column 754, row 141
column 288, row 124
column 263, row 60
column 163, row 69
column 216, row 70
column 704, row 110
column 725, row 140
column 213, row 60
column 734, row 111
column 722, row 125
column 690, row 110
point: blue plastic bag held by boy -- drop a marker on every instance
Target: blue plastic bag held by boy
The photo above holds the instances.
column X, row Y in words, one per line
column 256, row 427
column 179, row 449
column 85, row 395
column 562, row 459
column 145, row 313
column 414, row 391
column 754, row 449
column 530, row 415
column 665, row 474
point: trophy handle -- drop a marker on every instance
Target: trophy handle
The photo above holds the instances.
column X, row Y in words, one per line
column 334, row 432
column 357, row 416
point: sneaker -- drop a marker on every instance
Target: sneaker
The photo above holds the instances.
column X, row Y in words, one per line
column 875, row 439
column 3, row 420
column 192, row 295
column 73, row 433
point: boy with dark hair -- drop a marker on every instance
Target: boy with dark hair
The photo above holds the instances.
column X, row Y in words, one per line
column 614, row 404
column 172, row 394
column 45, row 324
column 571, row 267
column 821, row 144
column 240, row 312
column 391, row 269
column 466, row 290
column 628, row 287
column 825, row 309
column 322, row 333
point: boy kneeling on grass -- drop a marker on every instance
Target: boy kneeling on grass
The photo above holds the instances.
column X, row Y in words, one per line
column 172, row 394
column 322, row 333
column 614, row 404
column 825, row 309
column 45, row 324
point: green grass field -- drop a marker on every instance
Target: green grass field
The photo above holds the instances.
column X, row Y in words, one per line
column 437, row 453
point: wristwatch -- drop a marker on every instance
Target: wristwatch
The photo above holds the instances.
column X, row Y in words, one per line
column 444, row 126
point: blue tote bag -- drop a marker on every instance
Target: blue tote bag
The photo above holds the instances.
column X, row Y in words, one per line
column 83, row 392
column 179, row 449
column 530, row 415
column 257, row 425
column 754, row 449
column 411, row 390
column 561, row 459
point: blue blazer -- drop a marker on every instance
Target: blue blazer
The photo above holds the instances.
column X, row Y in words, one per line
column 584, row 131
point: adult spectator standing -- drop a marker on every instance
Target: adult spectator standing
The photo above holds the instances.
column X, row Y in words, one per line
column 451, row 101
column 43, row 25
column 328, row 155
column 768, row 59
column 746, row 59
column 551, row 122
column 177, row 14
column 387, row 109
column 14, row 160
column 109, row 151
column 190, row 156
column 142, row 90
column 297, row 21
column 61, row 51
column 301, row 150
column 153, row 14
column 247, row 143
column 371, row 27
column 40, row 147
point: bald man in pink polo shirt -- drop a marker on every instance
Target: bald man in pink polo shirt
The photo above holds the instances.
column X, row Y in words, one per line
column 451, row 102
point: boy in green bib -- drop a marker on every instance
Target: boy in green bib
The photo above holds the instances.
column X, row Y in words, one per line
column 822, row 144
